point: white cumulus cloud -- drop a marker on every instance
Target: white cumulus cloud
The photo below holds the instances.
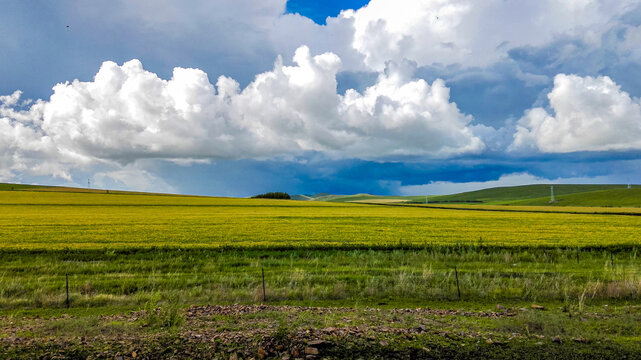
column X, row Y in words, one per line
column 472, row 33
column 127, row 113
column 590, row 114
column 467, row 32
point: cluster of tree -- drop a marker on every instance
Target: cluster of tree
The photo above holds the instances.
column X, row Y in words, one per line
column 273, row 195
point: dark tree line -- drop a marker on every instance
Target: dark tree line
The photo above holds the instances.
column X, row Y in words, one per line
column 273, row 195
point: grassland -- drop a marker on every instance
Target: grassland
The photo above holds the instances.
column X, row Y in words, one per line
column 45, row 221
column 401, row 278
column 578, row 210
column 137, row 263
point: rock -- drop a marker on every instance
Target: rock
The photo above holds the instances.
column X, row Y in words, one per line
column 311, row 351
column 261, row 352
column 501, row 307
column 556, row 339
column 383, row 343
column 537, row 307
column 233, row 356
column 317, row 342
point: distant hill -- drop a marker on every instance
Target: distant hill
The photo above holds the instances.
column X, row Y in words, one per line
column 354, row 198
column 526, row 195
column 47, row 188
column 618, row 197
column 8, row 187
column 302, row 197
column 565, row 195
column 507, row 195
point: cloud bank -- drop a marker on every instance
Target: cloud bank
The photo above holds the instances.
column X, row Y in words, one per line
column 472, row 33
column 127, row 113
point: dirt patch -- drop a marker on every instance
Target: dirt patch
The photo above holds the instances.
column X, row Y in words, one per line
column 210, row 310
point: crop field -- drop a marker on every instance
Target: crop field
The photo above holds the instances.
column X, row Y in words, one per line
column 578, row 210
column 122, row 248
column 150, row 267
column 58, row 220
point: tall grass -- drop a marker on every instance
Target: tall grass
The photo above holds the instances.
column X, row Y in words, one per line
column 368, row 277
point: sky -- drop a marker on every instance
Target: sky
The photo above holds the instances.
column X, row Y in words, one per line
column 403, row 97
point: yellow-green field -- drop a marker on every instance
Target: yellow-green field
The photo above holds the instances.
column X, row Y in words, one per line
column 105, row 274
column 57, row 220
column 585, row 210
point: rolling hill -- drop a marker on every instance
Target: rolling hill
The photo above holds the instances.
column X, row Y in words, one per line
column 535, row 195
column 618, row 197
column 508, row 195
column 526, row 195
column 68, row 189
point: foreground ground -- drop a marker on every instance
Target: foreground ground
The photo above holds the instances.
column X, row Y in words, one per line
column 287, row 332
column 157, row 276
column 516, row 303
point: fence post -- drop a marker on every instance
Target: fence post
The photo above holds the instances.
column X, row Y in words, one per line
column 67, row 286
column 611, row 259
column 458, row 288
column 264, row 295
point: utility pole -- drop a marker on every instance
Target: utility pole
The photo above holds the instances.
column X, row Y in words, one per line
column 551, row 193
column 88, row 184
column 426, row 202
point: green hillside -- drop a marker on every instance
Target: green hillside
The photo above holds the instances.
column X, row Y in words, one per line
column 620, row 197
column 535, row 195
column 565, row 195
column 362, row 197
column 68, row 189
column 508, row 195
column 8, row 187
column 357, row 197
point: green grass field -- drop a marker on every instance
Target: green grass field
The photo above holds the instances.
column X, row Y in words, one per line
column 59, row 220
column 137, row 262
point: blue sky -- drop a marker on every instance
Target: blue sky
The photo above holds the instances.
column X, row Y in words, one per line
column 389, row 97
column 320, row 10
